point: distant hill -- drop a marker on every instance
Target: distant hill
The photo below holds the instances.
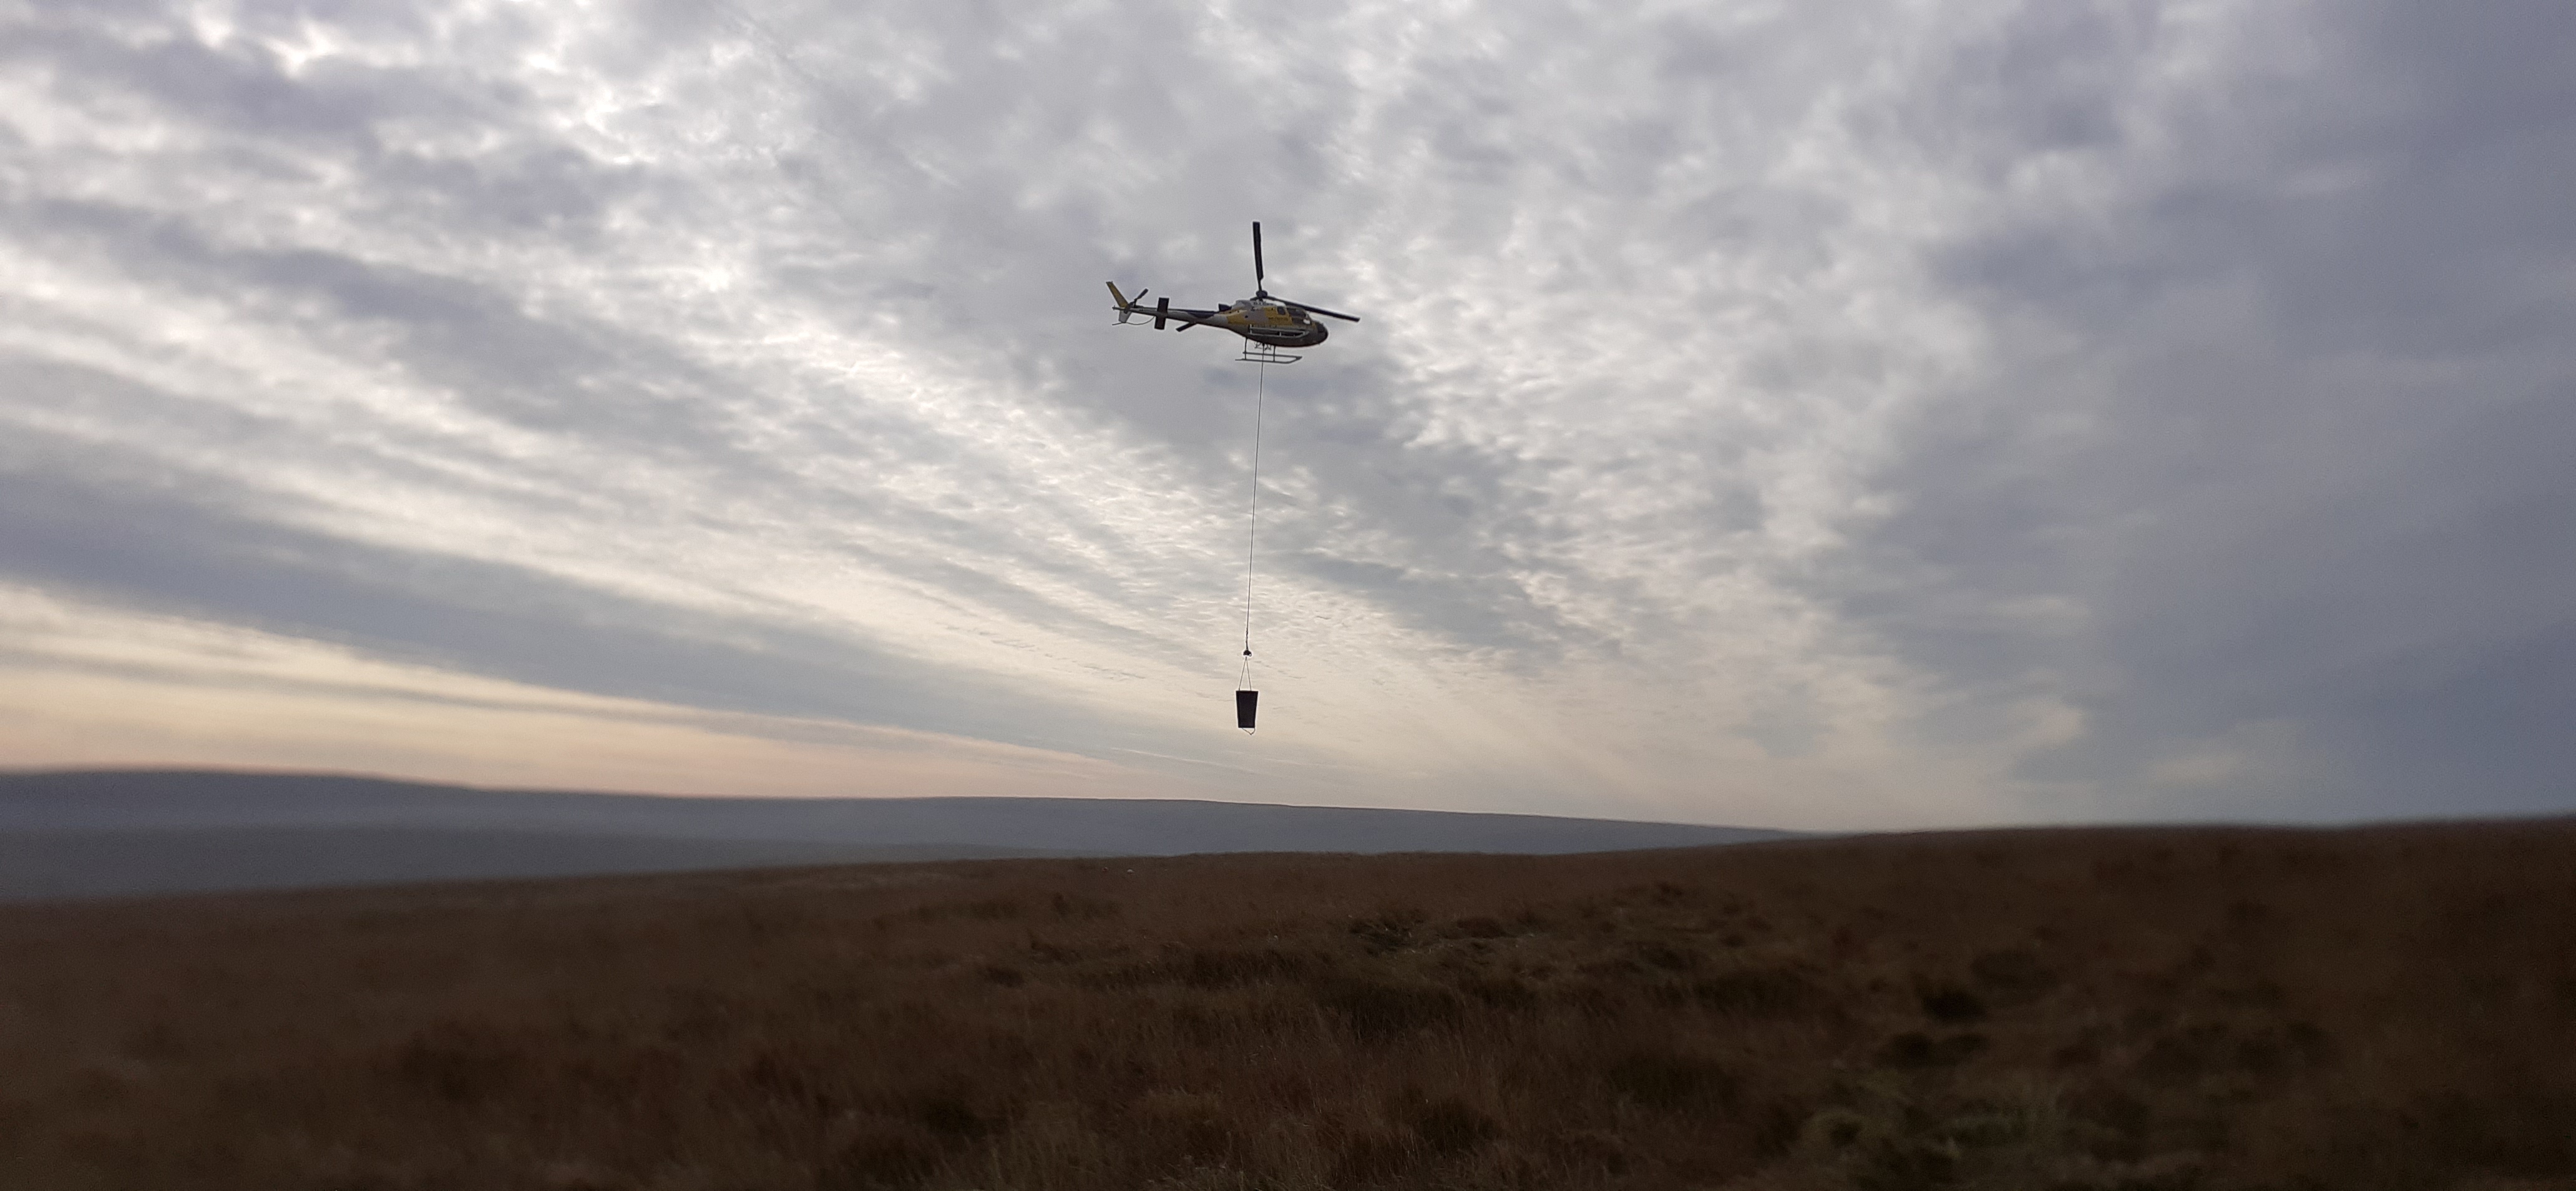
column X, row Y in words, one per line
column 136, row 861
column 114, row 832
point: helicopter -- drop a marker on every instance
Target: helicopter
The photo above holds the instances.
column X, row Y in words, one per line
column 1267, row 324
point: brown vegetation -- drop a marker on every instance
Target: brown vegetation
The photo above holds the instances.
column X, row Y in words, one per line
column 2056, row 1010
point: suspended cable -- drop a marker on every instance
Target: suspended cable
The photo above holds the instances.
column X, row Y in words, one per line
column 1252, row 535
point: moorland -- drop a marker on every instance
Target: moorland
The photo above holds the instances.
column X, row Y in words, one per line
column 2058, row 1010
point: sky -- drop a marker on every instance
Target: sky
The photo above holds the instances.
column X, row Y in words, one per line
column 1817, row 416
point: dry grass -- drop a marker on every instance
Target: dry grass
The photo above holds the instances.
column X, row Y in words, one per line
column 2058, row 1011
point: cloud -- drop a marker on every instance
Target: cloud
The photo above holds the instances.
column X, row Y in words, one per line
column 2271, row 447
column 1803, row 417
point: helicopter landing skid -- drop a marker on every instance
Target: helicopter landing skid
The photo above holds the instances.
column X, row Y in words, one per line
column 1263, row 353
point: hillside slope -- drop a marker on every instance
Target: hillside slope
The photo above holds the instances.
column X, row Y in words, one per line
column 37, row 865
column 2054, row 1010
column 109, row 832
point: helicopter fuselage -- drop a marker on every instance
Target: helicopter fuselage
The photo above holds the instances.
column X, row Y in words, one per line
column 1263, row 321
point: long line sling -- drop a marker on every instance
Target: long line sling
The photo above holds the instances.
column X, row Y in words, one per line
column 1245, row 698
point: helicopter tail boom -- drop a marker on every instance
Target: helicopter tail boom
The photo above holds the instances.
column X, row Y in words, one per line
column 1162, row 311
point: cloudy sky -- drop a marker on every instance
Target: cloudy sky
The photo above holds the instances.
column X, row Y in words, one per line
column 1771, row 413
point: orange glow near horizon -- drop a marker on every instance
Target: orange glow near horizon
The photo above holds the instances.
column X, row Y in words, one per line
column 100, row 689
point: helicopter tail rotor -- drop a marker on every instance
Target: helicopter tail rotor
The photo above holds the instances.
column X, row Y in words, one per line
column 1126, row 305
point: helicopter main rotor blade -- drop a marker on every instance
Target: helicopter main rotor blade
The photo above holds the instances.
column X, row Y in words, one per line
column 1257, row 271
column 1348, row 318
